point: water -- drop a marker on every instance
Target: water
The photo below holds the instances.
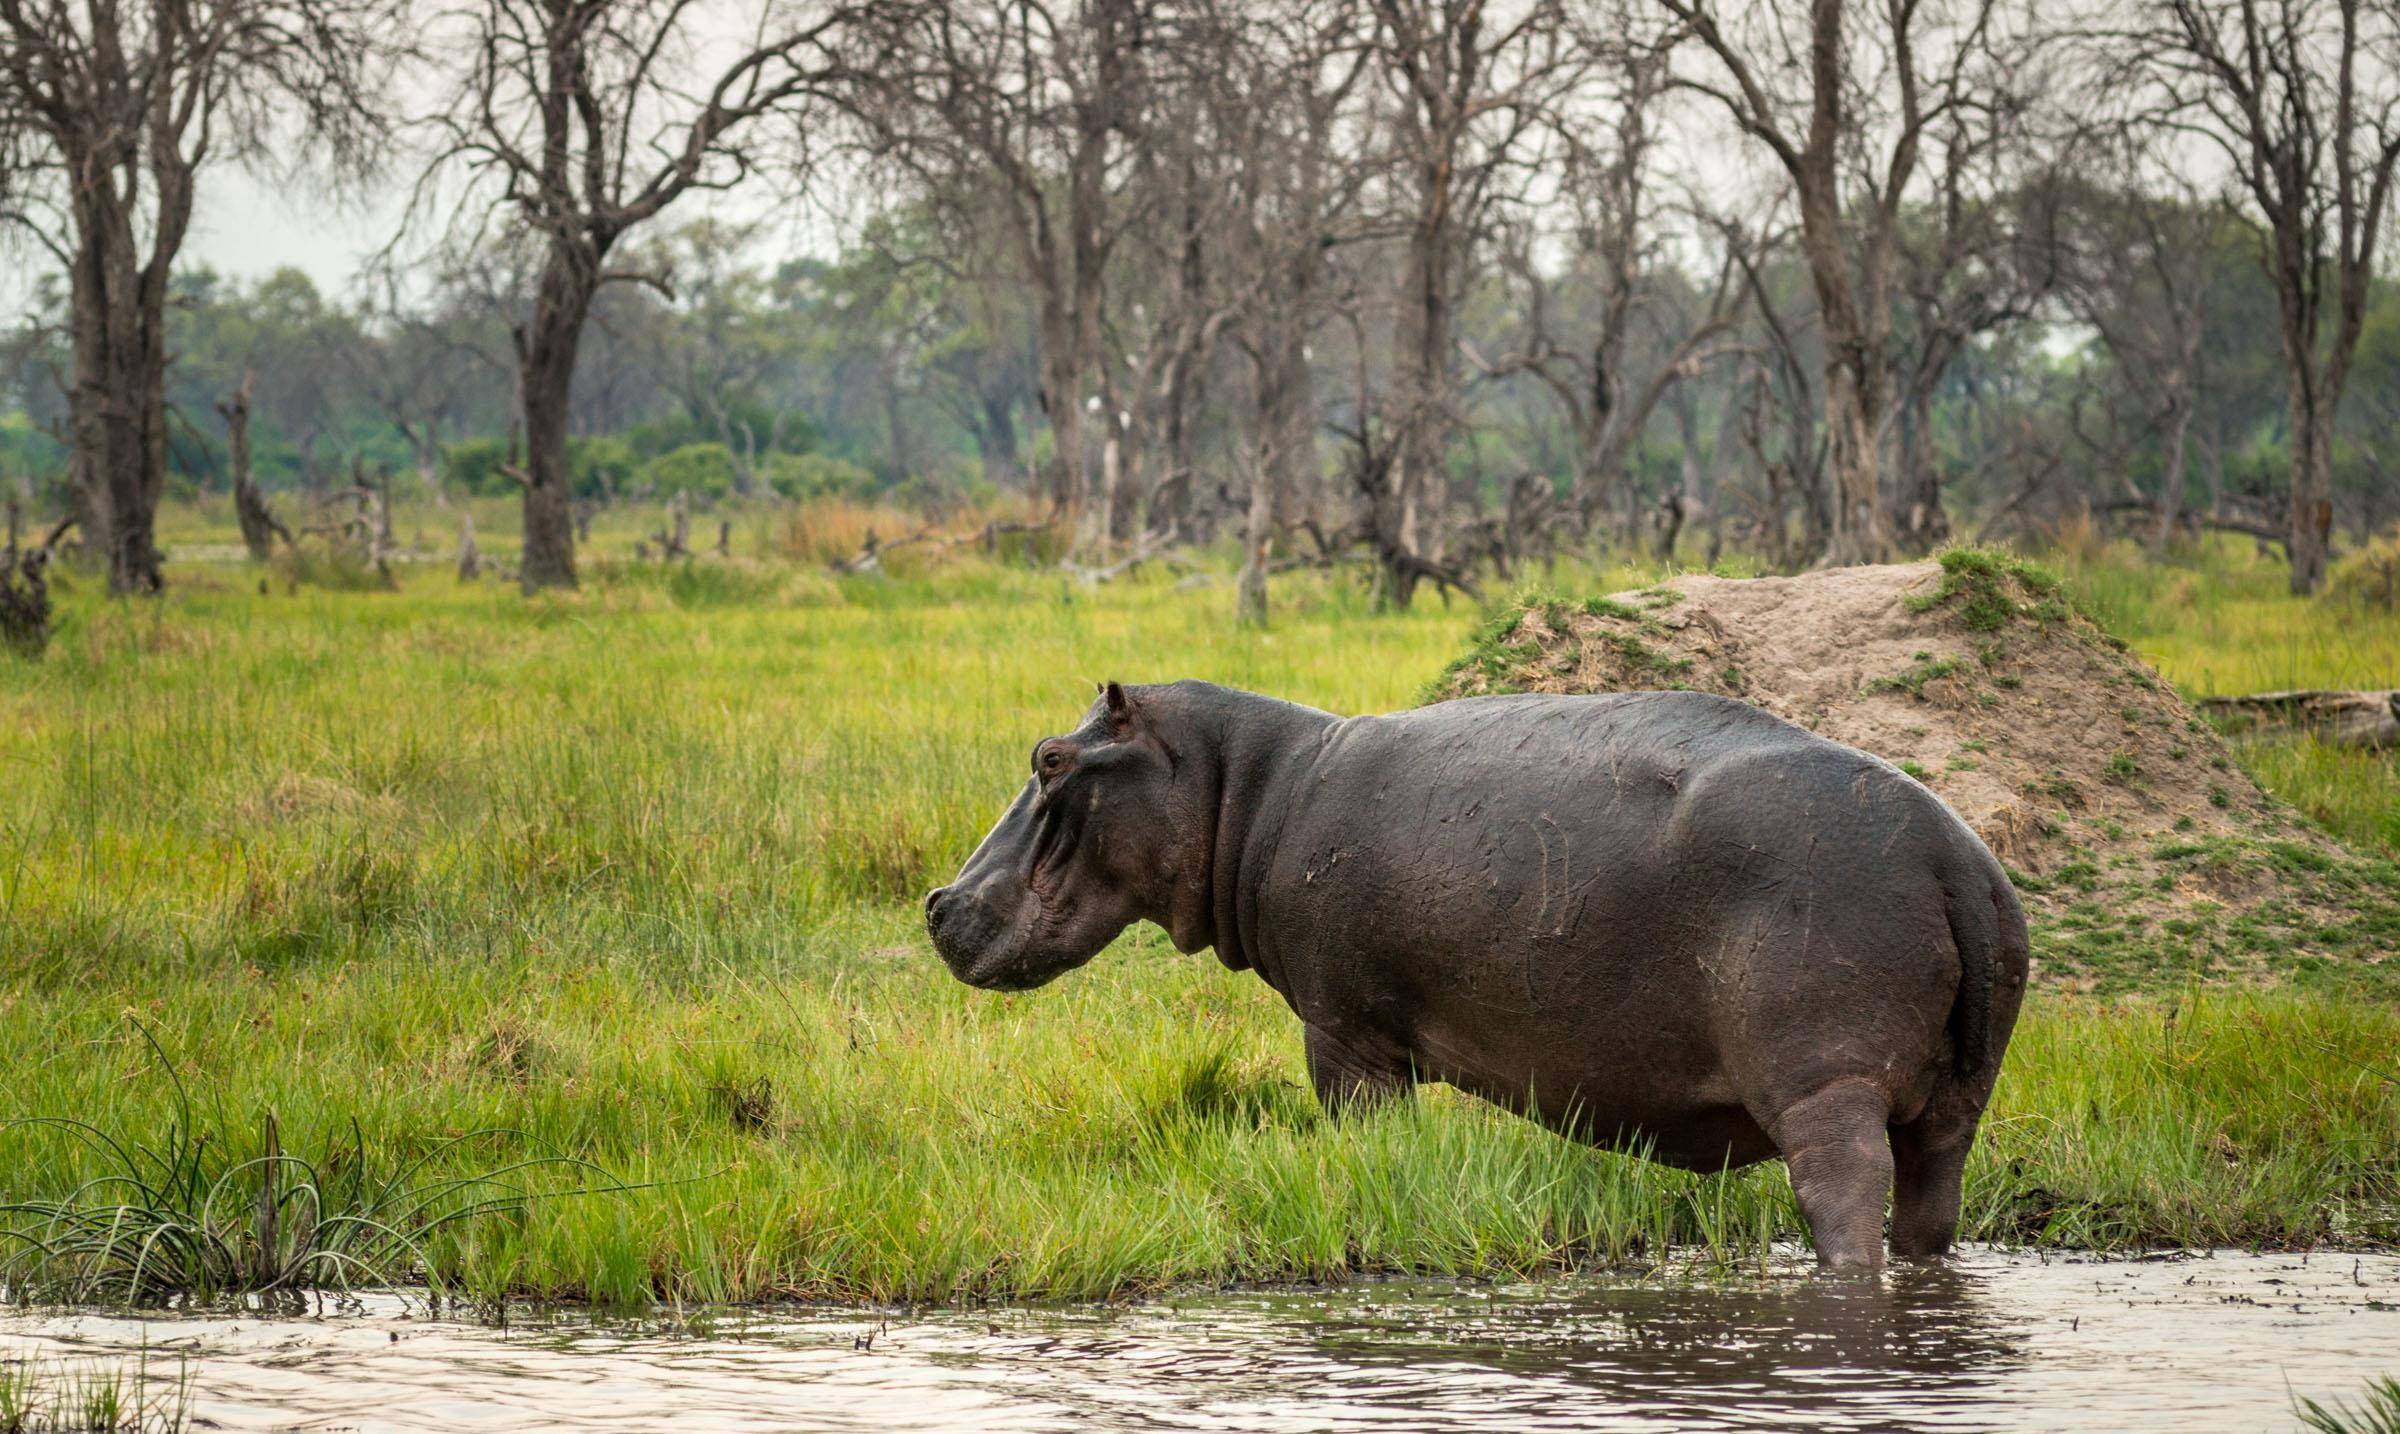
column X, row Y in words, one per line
column 1995, row 1342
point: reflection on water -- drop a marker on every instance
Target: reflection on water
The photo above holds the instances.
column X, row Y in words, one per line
column 1995, row 1341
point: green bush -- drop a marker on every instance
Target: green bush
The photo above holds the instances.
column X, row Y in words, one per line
column 594, row 465
column 671, row 431
column 704, row 470
column 474, row 465
column 817, row 475
column 2369, row 577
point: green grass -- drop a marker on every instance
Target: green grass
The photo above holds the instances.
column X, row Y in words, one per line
column 2218, row 622
column 628, row 876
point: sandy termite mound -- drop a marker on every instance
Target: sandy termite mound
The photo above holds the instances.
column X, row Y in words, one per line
column 2141, row 849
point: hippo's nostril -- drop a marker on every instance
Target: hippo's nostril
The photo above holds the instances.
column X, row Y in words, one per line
column 933, row 901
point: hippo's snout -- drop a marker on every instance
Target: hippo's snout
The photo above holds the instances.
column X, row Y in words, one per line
column 941, row 923
column 966, row 933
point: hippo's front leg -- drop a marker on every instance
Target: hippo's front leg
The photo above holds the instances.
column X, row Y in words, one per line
column 1352, row 1074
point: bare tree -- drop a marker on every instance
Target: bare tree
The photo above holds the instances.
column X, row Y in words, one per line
column 1588, row 362
column 426, row 363
column 728, row 345
column 2139, row 276
column 1984, row 253
column 1207, row 139
column 1779, row 378
column 117, row 109
column 945, row 304
column 1019, row 110
column 1473, row 86
column 2302, row 99
column 1859, row 105
column 578, row 121
column 1297, row 193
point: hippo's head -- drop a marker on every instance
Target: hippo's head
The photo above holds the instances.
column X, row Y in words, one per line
column 1110, row 829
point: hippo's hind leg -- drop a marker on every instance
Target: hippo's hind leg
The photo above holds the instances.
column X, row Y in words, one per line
column 1833, row 1139
column 1929, row 1155
column 1354, row 1075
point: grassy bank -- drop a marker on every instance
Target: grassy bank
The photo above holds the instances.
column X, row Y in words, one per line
column 630, row 874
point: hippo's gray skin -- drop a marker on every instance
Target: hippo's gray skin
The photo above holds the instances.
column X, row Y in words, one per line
column 1656, row 919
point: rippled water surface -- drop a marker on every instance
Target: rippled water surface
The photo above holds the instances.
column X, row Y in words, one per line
column 1995, row 1342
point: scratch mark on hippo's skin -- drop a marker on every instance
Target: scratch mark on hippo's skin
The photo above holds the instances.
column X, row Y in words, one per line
column 1544, row 925
column 1906, row 826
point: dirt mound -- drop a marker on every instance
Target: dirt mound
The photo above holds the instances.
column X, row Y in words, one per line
column 2140, row 848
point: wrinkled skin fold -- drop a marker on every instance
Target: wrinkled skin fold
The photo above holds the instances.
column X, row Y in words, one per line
column 1659, row 920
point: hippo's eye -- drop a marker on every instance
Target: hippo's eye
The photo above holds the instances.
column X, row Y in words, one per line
column 1048, row 761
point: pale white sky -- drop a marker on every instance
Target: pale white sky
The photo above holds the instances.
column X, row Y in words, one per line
column 245, row 227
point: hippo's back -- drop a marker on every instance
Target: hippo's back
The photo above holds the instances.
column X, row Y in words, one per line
column 1692, row 765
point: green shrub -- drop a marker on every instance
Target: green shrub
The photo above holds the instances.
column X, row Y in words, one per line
column 704, row 470
column 594, row 465
column 801, row 476
column 2369, row 577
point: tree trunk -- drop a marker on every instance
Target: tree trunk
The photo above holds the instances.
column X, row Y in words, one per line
column 1062, row 405
column 1169, row 500
column 1250, row 589
column 904, row 458
column 2311, row 516
column 1856, row 532
column 1287, row 418
column 260, row 527
column 118, row 402
column 996, row 441
column 89, row 503
column 546, row 358
column 2170, row 485
column 2368, row 719
column 1917, row 499
column 1115, row 502
column 1423, row 341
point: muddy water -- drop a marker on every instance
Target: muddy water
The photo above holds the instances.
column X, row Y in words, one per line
column 1996, row 1342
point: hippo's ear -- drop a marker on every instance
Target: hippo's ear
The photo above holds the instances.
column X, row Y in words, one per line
column 1120, row 708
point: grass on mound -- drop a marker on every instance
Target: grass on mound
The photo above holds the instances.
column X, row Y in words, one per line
column 630, row 874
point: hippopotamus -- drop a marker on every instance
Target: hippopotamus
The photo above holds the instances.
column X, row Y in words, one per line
column 1661, row 921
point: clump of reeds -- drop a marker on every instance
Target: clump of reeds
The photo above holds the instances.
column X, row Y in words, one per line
column 191, row 1218
column 2377, row 1413
column 62, row 1398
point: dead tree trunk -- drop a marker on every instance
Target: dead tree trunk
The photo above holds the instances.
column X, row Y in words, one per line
column 2338, row 719
column 25, row 592
column 260, row 526
column 674, row 536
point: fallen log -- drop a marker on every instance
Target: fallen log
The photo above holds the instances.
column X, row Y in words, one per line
column 2338, row 719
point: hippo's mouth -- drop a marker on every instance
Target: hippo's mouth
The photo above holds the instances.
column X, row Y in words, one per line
column 994, row 950
column 987, row 950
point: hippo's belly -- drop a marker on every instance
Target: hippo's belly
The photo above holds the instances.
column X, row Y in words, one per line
column 1605, row 1066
